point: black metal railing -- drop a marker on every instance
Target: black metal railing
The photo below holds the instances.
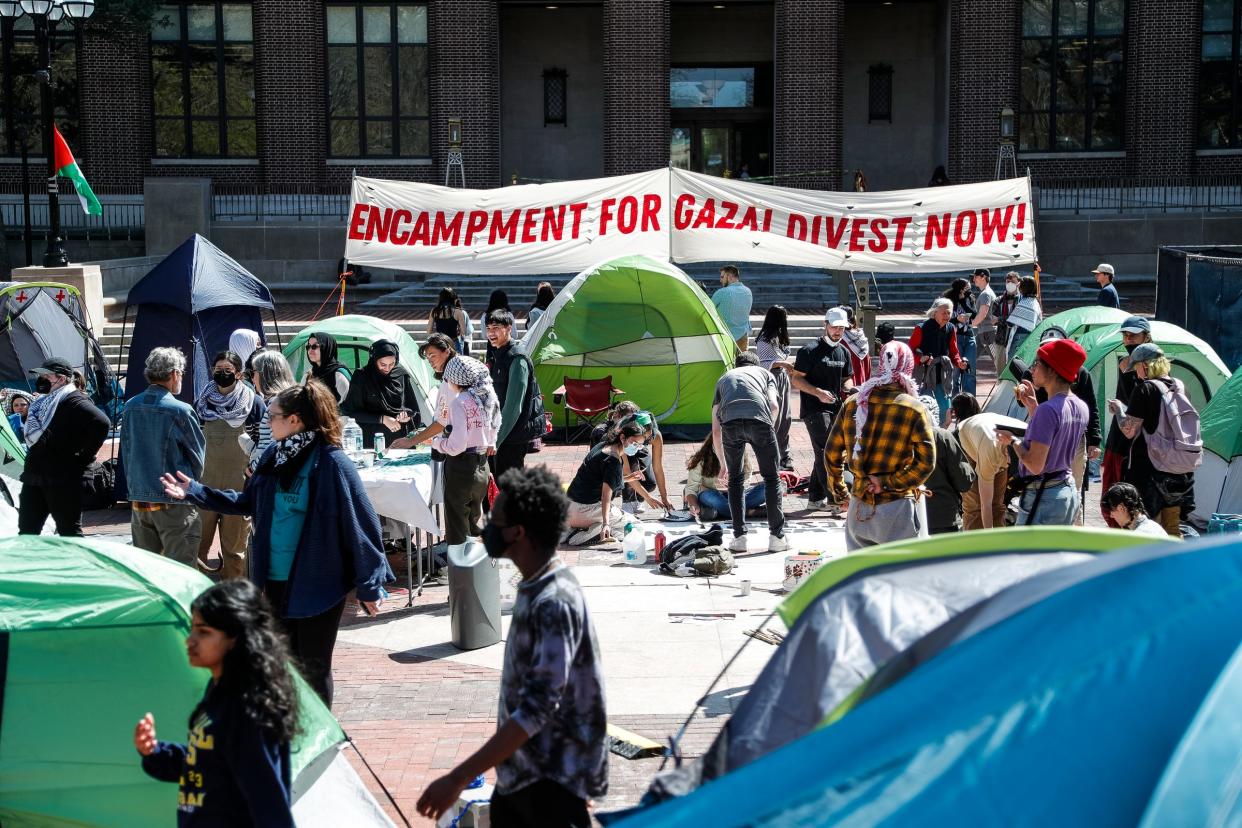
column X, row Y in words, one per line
column 1140, row 194
column 250, row 204
column 121, row 219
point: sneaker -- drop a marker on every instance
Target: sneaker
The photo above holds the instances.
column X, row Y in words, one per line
column 817, row 504
column 778, row 543
column 787, row 465
column 738, row 544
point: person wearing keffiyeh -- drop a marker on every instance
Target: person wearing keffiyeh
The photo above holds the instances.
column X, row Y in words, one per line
column 885, row 436
column 467, row 440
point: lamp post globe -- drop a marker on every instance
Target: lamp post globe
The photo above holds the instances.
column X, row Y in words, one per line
column 78, row 9
column 37, row 7
column 10, row 8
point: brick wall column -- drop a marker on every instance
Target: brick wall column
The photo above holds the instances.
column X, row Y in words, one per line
column 114, row 95
column 808, row 120
column 984, row 59
column 636, row 102
column 290, row 95
column 465, row 83
column 1162, row 75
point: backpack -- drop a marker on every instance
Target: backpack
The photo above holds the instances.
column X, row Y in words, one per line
column 686, row 548
column 713, row 560
column 1176, row 447
column 98, row 484
column 537, row 424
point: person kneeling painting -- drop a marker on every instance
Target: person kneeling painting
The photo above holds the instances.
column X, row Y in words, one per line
column 702, row 494
column 592, row 517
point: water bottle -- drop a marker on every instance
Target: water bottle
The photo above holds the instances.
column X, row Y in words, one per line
column 380, row 445
column 351, row 436
column 634, row 545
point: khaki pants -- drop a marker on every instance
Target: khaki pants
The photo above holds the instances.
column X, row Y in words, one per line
column 586, row 521
column 234, row 536
column 172, row 531
column 971, row 506
column 1170, row 518
column 743, row 342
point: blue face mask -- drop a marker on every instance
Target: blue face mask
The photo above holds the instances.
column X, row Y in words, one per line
column 632, row 449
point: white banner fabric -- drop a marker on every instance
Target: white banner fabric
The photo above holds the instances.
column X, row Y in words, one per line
column 682, row 216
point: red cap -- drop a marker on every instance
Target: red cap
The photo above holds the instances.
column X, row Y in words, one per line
column 1065, row 356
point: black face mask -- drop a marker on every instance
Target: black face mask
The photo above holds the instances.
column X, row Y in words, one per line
column 43, row 385
column 1130, row 348
column 224, row 379
column 494, row 541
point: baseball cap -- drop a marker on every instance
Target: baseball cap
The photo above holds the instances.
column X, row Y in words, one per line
column 1136, row 324
column 1144, row 353
column 1053, row 332
column 1065, row 356
column 54, row 365
column 836, row 316
column 1106, row 269
column 982, row 271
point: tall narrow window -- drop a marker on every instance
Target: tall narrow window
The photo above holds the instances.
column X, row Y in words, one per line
column 377, row 81
column 1219, row 124
column 880, row 93
column 21, row 105
column 555, row 83
column 1073, row 82
column 202, row 80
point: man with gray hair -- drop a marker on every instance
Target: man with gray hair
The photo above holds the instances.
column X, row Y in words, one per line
column 160, row 434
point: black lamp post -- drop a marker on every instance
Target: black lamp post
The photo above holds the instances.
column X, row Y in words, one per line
column 45, row 14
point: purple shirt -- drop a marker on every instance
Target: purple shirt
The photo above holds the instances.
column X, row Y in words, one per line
column 1060, row 424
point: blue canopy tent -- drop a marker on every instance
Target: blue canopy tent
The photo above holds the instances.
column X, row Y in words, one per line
column 193, row 300
column 1098, row 694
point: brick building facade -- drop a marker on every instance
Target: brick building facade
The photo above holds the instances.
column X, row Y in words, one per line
column 981, row 42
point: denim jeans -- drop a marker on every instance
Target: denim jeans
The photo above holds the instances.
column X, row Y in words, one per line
column 965, row 380
column 1058, row 507
column 719, row 502
column 735, row 435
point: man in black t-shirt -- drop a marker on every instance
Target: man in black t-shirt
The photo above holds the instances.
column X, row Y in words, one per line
column 823, row 374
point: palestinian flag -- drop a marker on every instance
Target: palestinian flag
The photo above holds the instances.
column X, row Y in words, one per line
column 66, row 167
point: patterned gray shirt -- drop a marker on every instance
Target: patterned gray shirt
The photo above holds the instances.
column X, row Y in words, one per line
column 553, row 687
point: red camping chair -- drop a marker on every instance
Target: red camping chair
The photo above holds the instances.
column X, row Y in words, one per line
column 589, row 399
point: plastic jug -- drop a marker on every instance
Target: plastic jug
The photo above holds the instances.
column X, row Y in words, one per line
column 634, row 545
column 351, row 436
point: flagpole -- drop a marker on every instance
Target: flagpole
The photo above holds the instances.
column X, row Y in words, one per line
column 55, row 255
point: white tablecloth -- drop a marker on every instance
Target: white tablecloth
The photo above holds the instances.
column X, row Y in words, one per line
column 406, row 493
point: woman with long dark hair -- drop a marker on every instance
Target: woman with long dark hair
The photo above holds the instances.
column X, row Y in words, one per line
column 381, row 396
column 321, row 354
column 772, row 348
column 316, row 536
column 449, row 318
column 963, row 312
column 702, row 494
column 543, row 298
column 592, row 517
column 234, row 768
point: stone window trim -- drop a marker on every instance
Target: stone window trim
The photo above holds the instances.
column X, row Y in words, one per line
column 378, row 162
column 158, row 161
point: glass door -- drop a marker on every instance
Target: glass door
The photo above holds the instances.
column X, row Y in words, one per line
column 714, row 156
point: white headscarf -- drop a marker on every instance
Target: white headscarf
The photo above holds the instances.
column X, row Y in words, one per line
column 896, row 366
column 473, row 377
column 244, row 342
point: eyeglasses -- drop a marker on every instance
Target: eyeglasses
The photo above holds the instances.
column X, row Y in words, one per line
column 272, row 415
column 312, row 347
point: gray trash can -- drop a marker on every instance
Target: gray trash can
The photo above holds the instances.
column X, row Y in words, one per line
column 474, row 605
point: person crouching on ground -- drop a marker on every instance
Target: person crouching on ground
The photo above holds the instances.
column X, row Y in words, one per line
column 234, row 769
column 702, row 494
column 592, row 517
column 550, row 750
column 473, row 423
column 1124, row 505
column 743, row 414
column 1056, row 430
column 885, row 436
column 308, row 552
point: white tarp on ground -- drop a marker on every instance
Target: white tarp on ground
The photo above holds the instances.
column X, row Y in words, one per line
column 682, row 216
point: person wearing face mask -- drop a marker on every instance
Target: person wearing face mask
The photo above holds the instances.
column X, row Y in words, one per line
column 824, row 374
column 381, row 396
column 63, row 432
column 592, row 517
column 226, row 409
column 550, row 749
column 316, row 535
column 1001, row 310
column 1135, row 331
column 473, row 423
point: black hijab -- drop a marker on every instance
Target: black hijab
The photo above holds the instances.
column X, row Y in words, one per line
column 390, row 388
column 328, row 365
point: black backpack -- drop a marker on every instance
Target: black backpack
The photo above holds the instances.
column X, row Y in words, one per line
column 537, row 422
column 98, row 485
column 687, row 545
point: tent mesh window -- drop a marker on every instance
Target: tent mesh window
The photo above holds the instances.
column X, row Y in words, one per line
column 880, row 93
column 555, row 88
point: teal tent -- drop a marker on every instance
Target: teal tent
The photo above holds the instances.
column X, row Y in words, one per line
column 1105, row 693
column 1218, row 481
column 92, row 636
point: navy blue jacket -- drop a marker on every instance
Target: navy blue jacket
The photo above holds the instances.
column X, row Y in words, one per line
column 341, row 547
column 231, row 774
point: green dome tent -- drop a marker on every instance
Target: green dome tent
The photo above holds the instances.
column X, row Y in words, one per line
column 92, row 636
column 645, row 323
column 354, row 335
column 1218, row 482
column 1075, row 322
column 1194, row 363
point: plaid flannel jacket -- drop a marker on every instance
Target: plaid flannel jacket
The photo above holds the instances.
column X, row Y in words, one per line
column 897, row 447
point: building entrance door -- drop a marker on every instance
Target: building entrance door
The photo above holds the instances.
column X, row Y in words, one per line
column 715, row 148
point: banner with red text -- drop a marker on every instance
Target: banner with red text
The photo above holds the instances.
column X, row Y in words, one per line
column 568, row 226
